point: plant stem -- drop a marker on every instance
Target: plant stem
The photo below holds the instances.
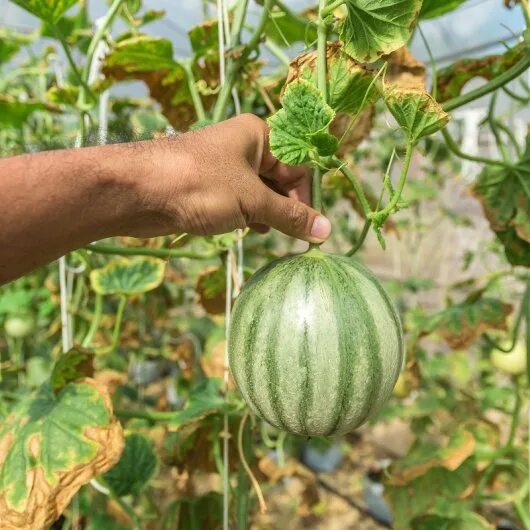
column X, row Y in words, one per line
column 515, row 71
column 322, row 42
column 195, row 96
column 493, row 126
column 316, row 200
column 243, row 482
column 331, row 7
column 434, row 69
column 522, row 513
column 368, row 222
column 278, row 52
column 235, row 66
column 362, row 237
column 452, row 145
column 155, row 252
column 117, row 326
column 521, row 99
column 128, row 510
column 246, row 467
column 357, row 188
column 240, row 14
column 508, row 132
column 71, row 61
column 96, row 319
column 389, row 208
column 515, row 414
column 98, row 35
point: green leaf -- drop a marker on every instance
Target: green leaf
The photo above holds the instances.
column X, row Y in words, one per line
column 304, row 114
column 326, row 143
column 505, row 197
column 350, row 85
column 73, row 365
column 49, row 447
column 376, row 28
column 437, row 8
column 465, row 521
column 11, row 42
column 77, row 29
column 128, row 276
column 14, row 113
column 49, row 10
column 136, row 467
column 416, row 112
column 204, row 400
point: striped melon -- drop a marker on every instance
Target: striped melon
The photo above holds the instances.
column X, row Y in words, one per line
column 315, row 344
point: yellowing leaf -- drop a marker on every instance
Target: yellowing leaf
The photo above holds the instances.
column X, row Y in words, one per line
column 431, row 477
column 128, row 276
column 304, row 114
column 150, row 59
column 376, row 28
column 49, row 10
column 416, row 112
column 350, row 85
column 451, row 457
column 49, row 447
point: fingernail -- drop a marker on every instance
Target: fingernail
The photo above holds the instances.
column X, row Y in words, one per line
column 321, row 227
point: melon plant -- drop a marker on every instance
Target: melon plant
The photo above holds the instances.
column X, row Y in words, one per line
column 316, row 344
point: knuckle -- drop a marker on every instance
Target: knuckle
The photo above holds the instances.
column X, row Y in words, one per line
column 250, row 119
column 297, row 216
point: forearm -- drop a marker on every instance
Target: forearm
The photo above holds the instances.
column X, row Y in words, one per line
column 211, row 181
column 54, row 202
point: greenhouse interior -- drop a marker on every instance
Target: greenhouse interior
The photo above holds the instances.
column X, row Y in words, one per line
column 264, row 264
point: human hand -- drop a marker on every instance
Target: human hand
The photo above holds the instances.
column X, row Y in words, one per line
column 220, row 178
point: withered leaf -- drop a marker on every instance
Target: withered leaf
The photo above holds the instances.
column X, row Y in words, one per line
column 452, row 79
column 350, row 84
column 404, row 70
column 50, row 445
column 461, row 324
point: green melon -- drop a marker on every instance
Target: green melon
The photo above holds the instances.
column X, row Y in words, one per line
column 315, row 344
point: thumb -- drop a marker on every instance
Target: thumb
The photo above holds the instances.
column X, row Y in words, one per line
column 292, row 217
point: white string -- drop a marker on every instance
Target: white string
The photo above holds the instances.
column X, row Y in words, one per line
column 228, row 304
column 65, row 321
column 228, row 307
column 221, row 41
column 233, row 282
